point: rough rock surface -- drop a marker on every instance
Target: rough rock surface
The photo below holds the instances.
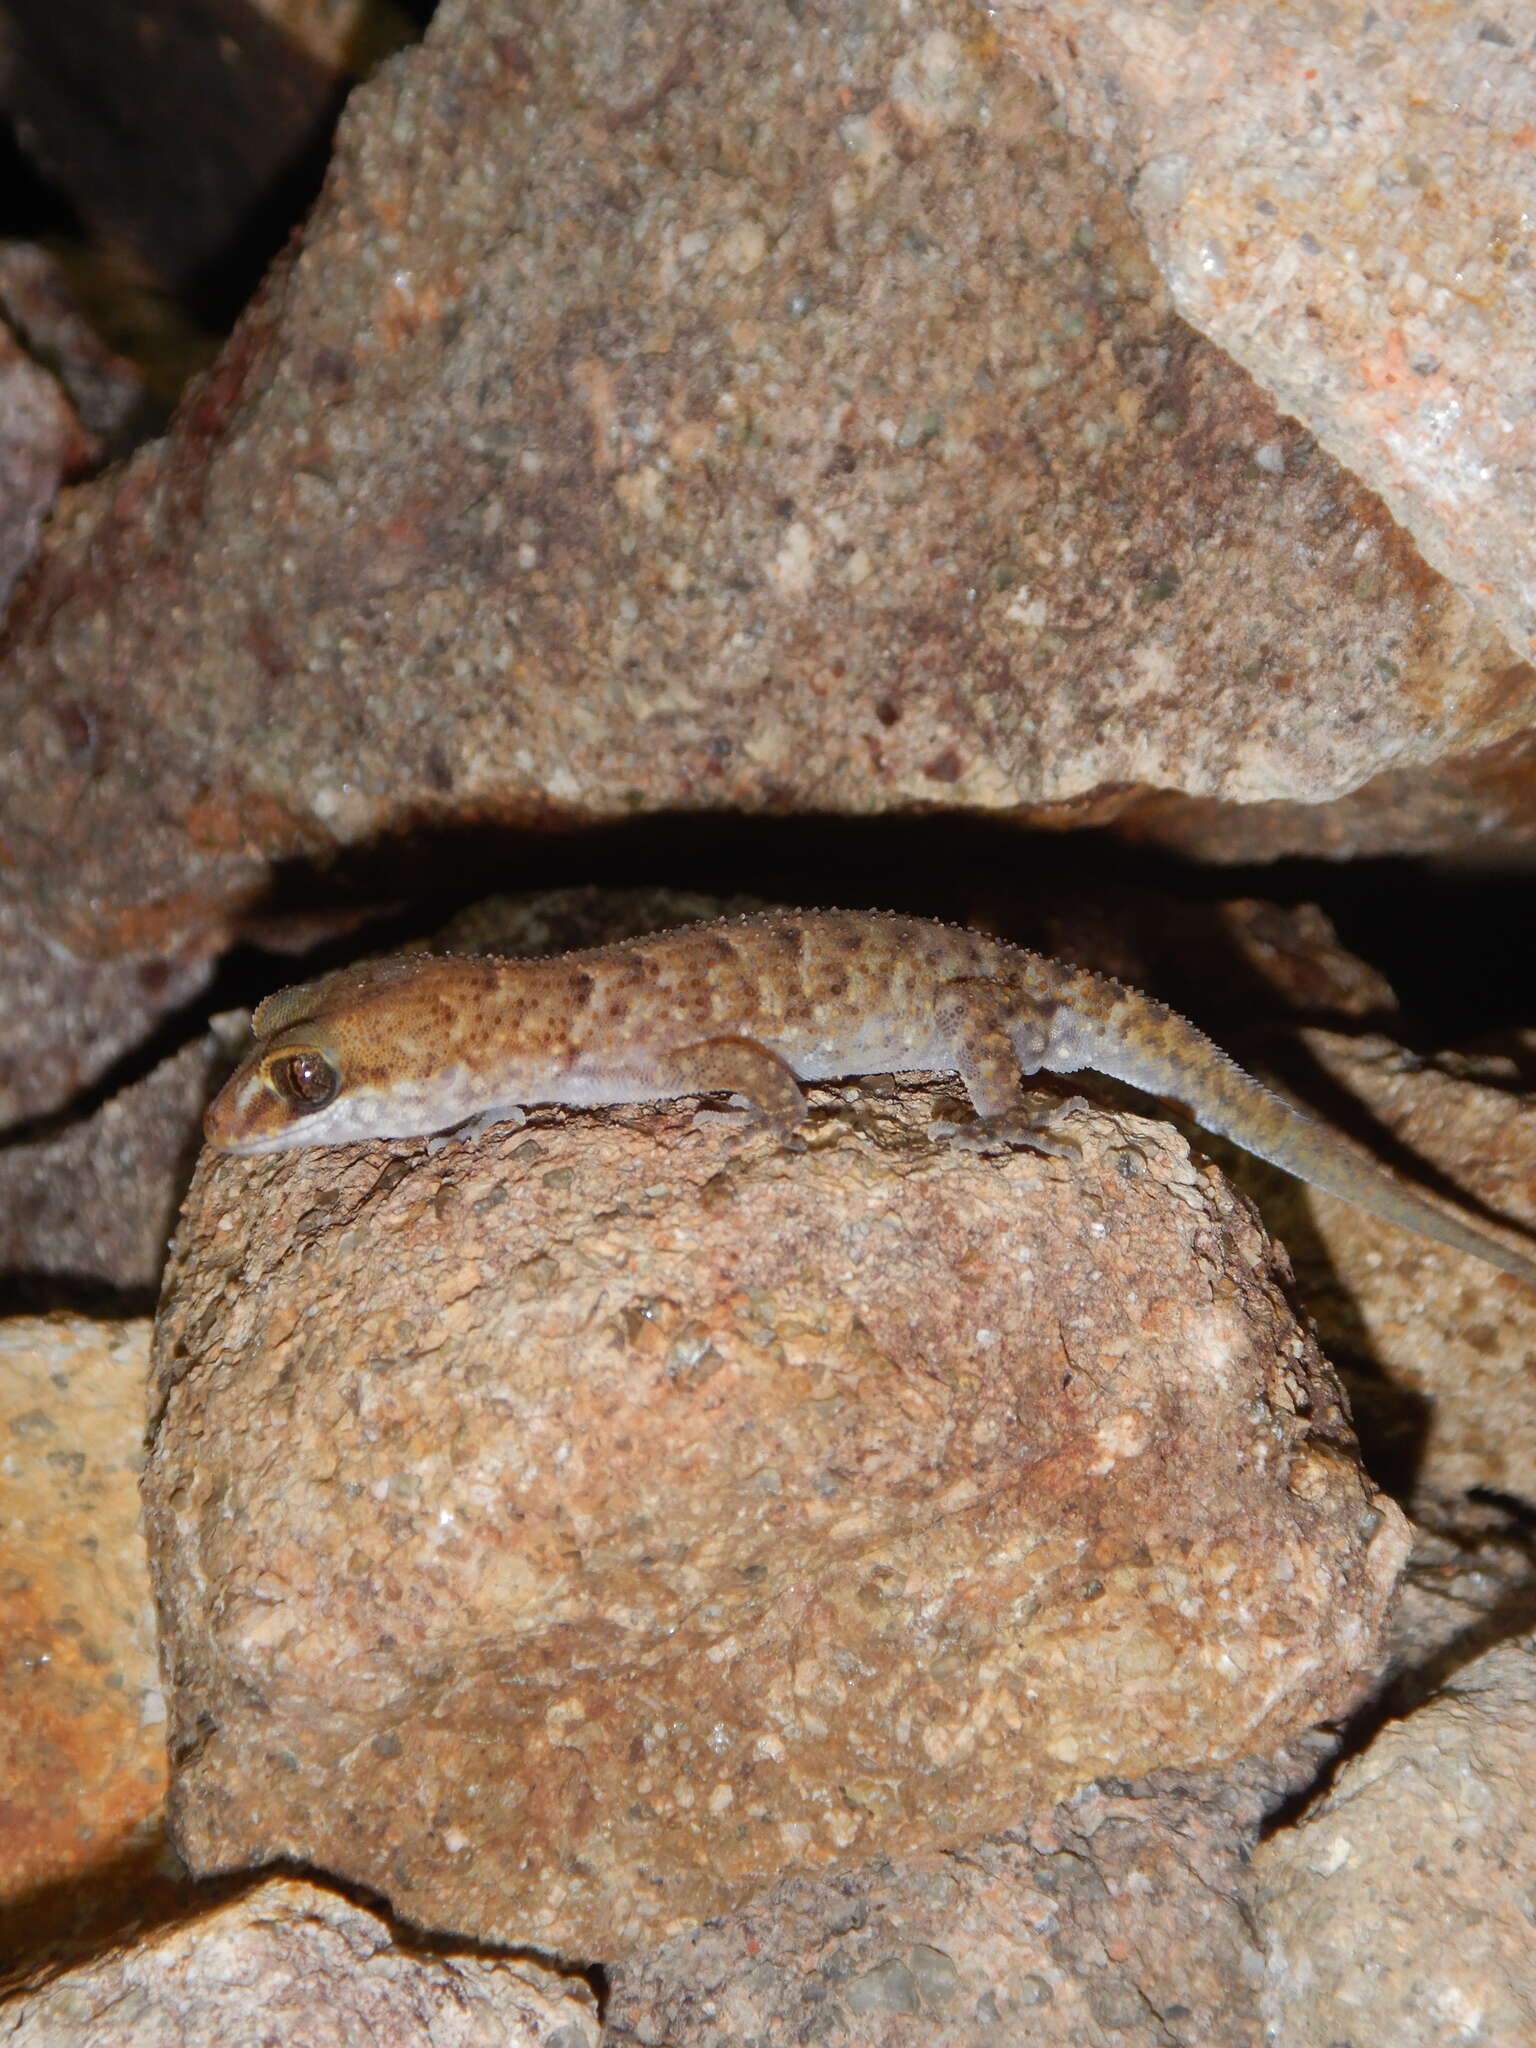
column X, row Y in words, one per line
column 1117, row 1921
column 1340, row 194
column 1479, row 807
column 1458, row 1337
column 106, row 390
column 41, row 441
column 650, row 420
column 570, row 1532
column 1397, row 1914
column 89, row 1209
column 290, row 1963
column 64, row 1019
column 1468, row 1587
column 82, row 1717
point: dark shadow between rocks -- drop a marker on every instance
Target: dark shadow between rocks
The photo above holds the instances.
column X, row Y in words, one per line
column 1511, row 1616
column 124, row 1896
column 145, row 1891
column 1442, row 939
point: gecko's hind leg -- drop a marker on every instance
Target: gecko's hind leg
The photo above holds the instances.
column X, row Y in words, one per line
column 993, row 1032
column 736, row 1066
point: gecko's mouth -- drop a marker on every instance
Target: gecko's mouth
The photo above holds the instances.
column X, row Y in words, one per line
column 223, row 1140
column 229, row 1124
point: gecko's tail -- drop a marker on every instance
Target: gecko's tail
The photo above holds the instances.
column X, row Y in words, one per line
column 1142, row 1042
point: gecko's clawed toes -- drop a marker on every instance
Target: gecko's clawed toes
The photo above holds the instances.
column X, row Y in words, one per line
column 745, row 1119
column 1015, row 1131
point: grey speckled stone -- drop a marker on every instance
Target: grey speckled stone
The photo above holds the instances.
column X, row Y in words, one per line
column 288, row 1963
column 1117, row 1921
column 1341, row 195
column 1399, row 1912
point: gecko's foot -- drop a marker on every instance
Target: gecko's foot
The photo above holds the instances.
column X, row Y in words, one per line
column 1017, row 1131
column 745, row 1120
column 476, row 1127
column 513, row 1118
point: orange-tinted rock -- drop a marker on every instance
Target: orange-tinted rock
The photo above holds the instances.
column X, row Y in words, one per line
column 82, row 1717
column 570, row 1533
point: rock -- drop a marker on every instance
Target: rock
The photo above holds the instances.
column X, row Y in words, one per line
column 41, row 441
column 1469, row 1585
column 65, row 1020
column 1397, row 1913
column 87, row 1211
column 638, row 430
column 1455, row 1337
column 1478, row 807
column 1119, row 1921
column 82, row 1716
column 1338, row 194
column 290, row 1962
column 107, row 392
column 570, row 1533
column 1244, row 966
column 1295, row 951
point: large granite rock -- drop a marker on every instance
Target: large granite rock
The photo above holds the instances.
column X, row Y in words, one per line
column 571, row 1532
column 82, row 1715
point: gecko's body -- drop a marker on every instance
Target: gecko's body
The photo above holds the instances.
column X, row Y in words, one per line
column 753, row 1007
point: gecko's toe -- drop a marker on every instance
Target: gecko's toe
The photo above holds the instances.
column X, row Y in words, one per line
column 746, row 1120
column 1017, row 1131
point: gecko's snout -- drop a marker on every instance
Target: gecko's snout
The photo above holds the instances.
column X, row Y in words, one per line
column 233, row 1121
column 263, row 1102
column 222, row 1123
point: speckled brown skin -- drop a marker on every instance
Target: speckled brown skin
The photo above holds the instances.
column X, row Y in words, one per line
column 752, row 1008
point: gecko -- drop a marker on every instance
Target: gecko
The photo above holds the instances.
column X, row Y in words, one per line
column 751, row 1007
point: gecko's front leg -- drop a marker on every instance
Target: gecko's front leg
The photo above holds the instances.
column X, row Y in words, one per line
column 994, row 1033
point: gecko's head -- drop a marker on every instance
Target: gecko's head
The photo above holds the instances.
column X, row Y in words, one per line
column 356, row 1055
column 290, row 1091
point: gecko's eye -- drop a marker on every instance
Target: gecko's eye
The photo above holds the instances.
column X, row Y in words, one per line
column 305, row 1079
